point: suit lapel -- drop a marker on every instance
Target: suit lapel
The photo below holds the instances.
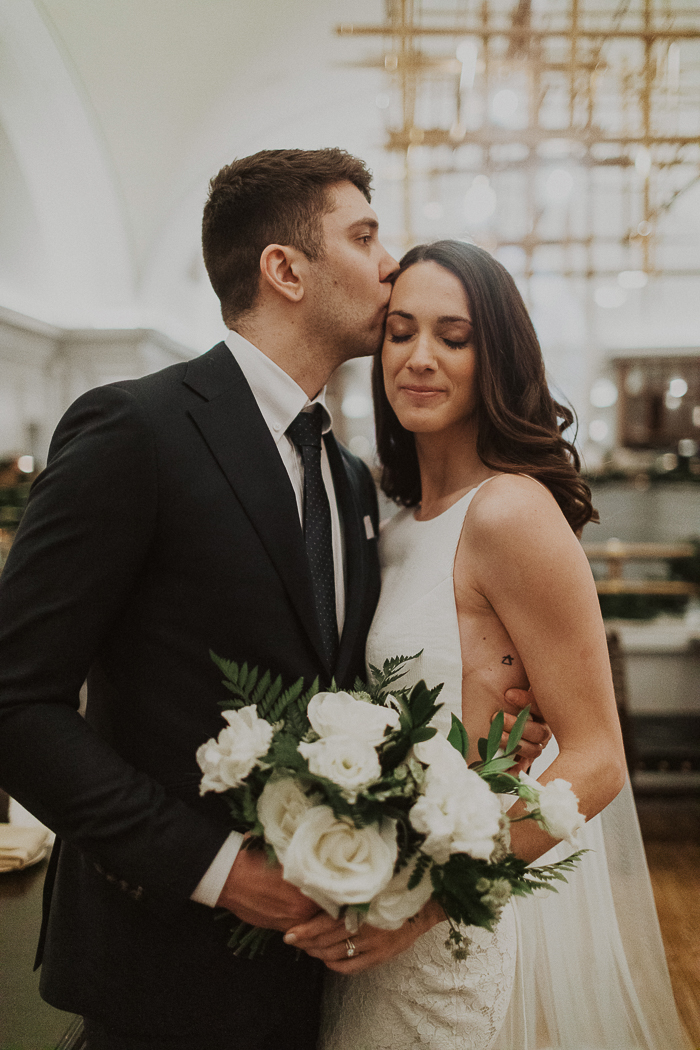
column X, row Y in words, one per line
column 238, row 437
column 356, row 563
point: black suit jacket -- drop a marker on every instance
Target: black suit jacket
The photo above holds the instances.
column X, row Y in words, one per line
column 164, row 525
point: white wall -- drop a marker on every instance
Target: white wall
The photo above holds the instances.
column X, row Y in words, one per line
column 43, row 369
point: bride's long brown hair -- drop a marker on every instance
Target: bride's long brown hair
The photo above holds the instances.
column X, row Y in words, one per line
column 520, row 425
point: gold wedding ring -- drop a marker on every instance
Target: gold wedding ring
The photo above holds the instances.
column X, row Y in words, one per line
column 350, row 948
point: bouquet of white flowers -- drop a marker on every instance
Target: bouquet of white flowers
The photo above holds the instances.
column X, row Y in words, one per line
column 369, row 810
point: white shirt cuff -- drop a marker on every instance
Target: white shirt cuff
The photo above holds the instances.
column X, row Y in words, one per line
column 208, row 889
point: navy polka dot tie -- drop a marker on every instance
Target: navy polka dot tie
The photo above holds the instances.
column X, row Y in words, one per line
column 305, row 432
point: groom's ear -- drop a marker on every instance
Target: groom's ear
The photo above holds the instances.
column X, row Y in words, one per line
column 282, row 267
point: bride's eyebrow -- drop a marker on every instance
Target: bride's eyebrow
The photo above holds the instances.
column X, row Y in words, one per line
column 446, row 319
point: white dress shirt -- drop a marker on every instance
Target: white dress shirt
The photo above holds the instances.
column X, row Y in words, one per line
column 280, row 401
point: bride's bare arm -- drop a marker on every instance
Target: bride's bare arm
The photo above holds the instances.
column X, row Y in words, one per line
column 525, row 561
column 525, row 566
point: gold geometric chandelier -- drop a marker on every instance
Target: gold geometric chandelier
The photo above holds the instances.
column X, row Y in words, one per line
column 560, row 130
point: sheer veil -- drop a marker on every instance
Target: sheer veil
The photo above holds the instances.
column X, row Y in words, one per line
column 591, row 970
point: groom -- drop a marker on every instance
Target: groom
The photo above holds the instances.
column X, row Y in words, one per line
column 207, row 506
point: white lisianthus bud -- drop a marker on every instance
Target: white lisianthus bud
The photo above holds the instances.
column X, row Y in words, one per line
column 495, row 894
column 334, row 863
column 228, row 760
column 350, row 763
column 396, row 903
column 558, row 807
column 281, row 807
column 333, row 714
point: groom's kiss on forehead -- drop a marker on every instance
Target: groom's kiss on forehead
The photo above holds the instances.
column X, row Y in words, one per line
column 338, row 298
column 351, row 281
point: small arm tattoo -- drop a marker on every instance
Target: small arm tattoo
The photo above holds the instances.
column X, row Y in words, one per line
column 507, row 660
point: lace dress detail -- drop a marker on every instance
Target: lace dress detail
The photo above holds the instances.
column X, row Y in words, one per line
column 424, row 999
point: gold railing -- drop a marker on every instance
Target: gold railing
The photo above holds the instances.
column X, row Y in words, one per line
column 615, row 554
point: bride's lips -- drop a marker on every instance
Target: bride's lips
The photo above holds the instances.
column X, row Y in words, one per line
column 421, row 393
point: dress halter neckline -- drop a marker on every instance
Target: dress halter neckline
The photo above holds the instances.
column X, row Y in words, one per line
column 469, row 493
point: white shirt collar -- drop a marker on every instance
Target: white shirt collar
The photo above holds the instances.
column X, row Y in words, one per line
column 279, row 398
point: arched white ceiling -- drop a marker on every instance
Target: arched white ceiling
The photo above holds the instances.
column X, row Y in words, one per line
column 83, row 265
column 174, row 89
column 115, row 115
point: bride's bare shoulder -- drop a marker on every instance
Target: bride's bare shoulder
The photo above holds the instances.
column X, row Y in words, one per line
column 512, row 509
column 514, row 520
column 508, row 495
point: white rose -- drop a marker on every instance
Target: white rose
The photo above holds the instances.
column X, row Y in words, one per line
column 458, row 816
column 396, row 903
column 281, row 807
column 558, row 806
column 228, row 760
column 335, row 863
column 350, row 763
column 334, row 714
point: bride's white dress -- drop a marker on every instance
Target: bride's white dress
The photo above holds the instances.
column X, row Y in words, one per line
column 424, row 998
column 586, row 970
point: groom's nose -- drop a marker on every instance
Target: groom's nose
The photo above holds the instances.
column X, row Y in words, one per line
column 387, row 265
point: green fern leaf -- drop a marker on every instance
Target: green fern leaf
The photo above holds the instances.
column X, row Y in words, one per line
column 268, row 701
column 243, row 676
column 261, row 688
column 229, row 668
column 250, row 682
column 391, row 671
column 285, row 700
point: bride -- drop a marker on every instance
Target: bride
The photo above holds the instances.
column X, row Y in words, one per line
column 482, row 571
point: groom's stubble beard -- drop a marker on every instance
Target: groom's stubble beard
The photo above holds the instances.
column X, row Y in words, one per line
column 345, row 327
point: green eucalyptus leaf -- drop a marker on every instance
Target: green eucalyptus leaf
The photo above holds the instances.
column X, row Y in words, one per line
column 496, row 765
column 502, row 783
column 517, row 730
column 423, row 733
column 494, row 737
column 457, row 736
column 419, row 702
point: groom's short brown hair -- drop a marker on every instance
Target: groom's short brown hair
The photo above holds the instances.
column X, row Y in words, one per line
column 274, row 197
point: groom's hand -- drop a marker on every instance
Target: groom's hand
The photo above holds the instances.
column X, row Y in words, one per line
column 536, row 734
column 256, row 892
